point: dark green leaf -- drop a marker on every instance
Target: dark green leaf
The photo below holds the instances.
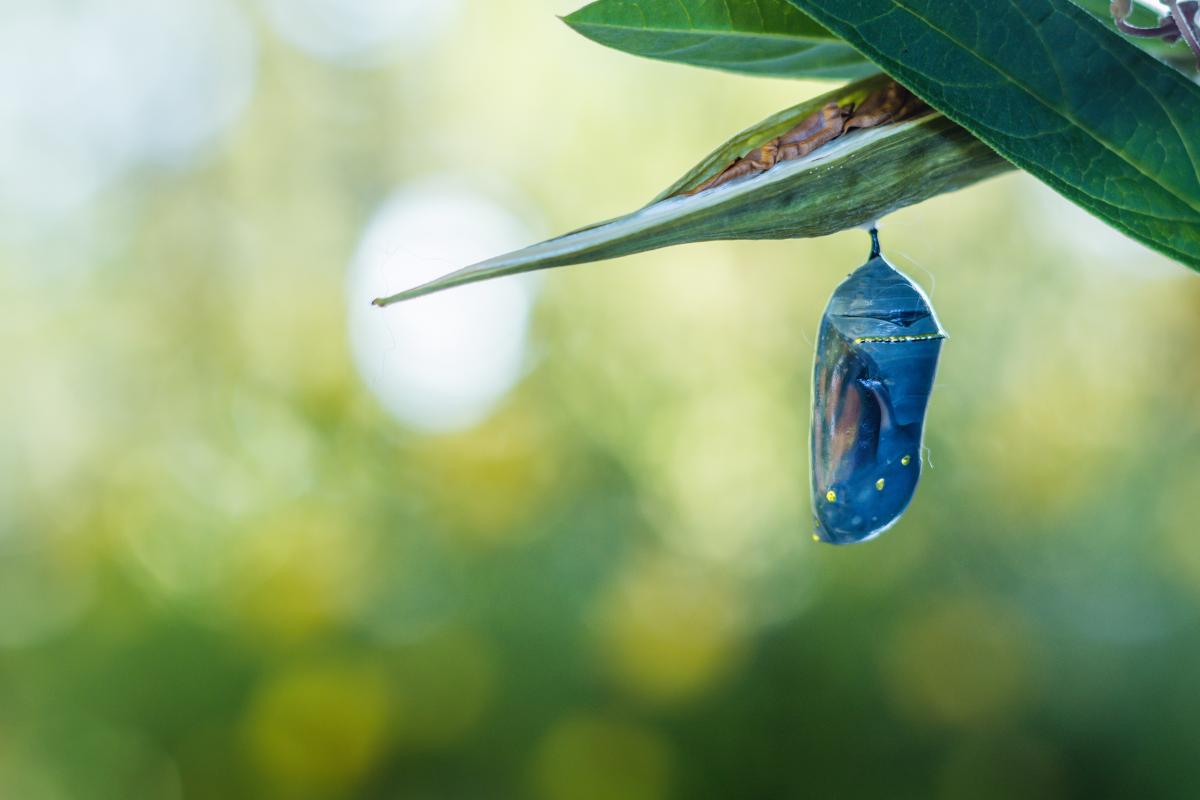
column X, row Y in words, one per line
column 849, row 182
column 1055, row 92
column 759, row 37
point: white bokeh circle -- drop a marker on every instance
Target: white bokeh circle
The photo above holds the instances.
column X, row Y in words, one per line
column 361, row 33
column 90, row 90
column 442, row 362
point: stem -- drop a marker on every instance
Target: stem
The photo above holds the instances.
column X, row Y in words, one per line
column 1166, row 29
column 1185, row 29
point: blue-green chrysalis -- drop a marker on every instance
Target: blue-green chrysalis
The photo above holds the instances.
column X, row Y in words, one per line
column 877, row 351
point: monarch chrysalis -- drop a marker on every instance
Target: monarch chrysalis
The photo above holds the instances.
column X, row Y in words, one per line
column 877, row 351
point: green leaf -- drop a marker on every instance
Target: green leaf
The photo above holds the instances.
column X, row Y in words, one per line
column 852, row 181
column 759, row 37
column 1056, row 93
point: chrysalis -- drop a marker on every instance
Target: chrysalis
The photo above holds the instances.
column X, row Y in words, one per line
column 877, row 351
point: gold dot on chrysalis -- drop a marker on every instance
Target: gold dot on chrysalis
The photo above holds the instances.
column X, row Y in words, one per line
column 905, row 461
column 816, row 538
column 879, row 484
column 831, row 495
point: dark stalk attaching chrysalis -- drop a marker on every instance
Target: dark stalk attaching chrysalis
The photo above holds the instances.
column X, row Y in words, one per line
column 877, row 352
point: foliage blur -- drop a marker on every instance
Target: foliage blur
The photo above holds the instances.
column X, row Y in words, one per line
column 550, row 538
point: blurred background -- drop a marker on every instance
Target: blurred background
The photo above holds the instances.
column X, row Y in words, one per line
column 546, row 537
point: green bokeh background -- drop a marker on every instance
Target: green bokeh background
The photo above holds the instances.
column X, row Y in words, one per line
column 227, row 571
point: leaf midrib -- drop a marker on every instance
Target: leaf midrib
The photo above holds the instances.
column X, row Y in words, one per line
column 808, row 51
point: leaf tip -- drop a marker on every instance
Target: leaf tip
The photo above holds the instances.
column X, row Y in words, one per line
column 571, row 19
column 384, row 302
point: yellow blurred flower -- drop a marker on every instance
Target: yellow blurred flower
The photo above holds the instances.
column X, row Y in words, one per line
column 319, row 726
column 668, row 632
column 592, row 757
column 298, row 574
column 445, row 684
column 489, row 483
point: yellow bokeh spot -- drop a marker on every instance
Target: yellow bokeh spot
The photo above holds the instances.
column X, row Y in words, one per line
column 718, row 467
column 879, row 484
column 320, row 728
column 669, row 632
column 831, row 495
column 816, row 538
column 1177, row 508
column 296, row 578
column 445, row 684
column 597, row 758
column 488, row 483
column 962, row 662
column 906, row 461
